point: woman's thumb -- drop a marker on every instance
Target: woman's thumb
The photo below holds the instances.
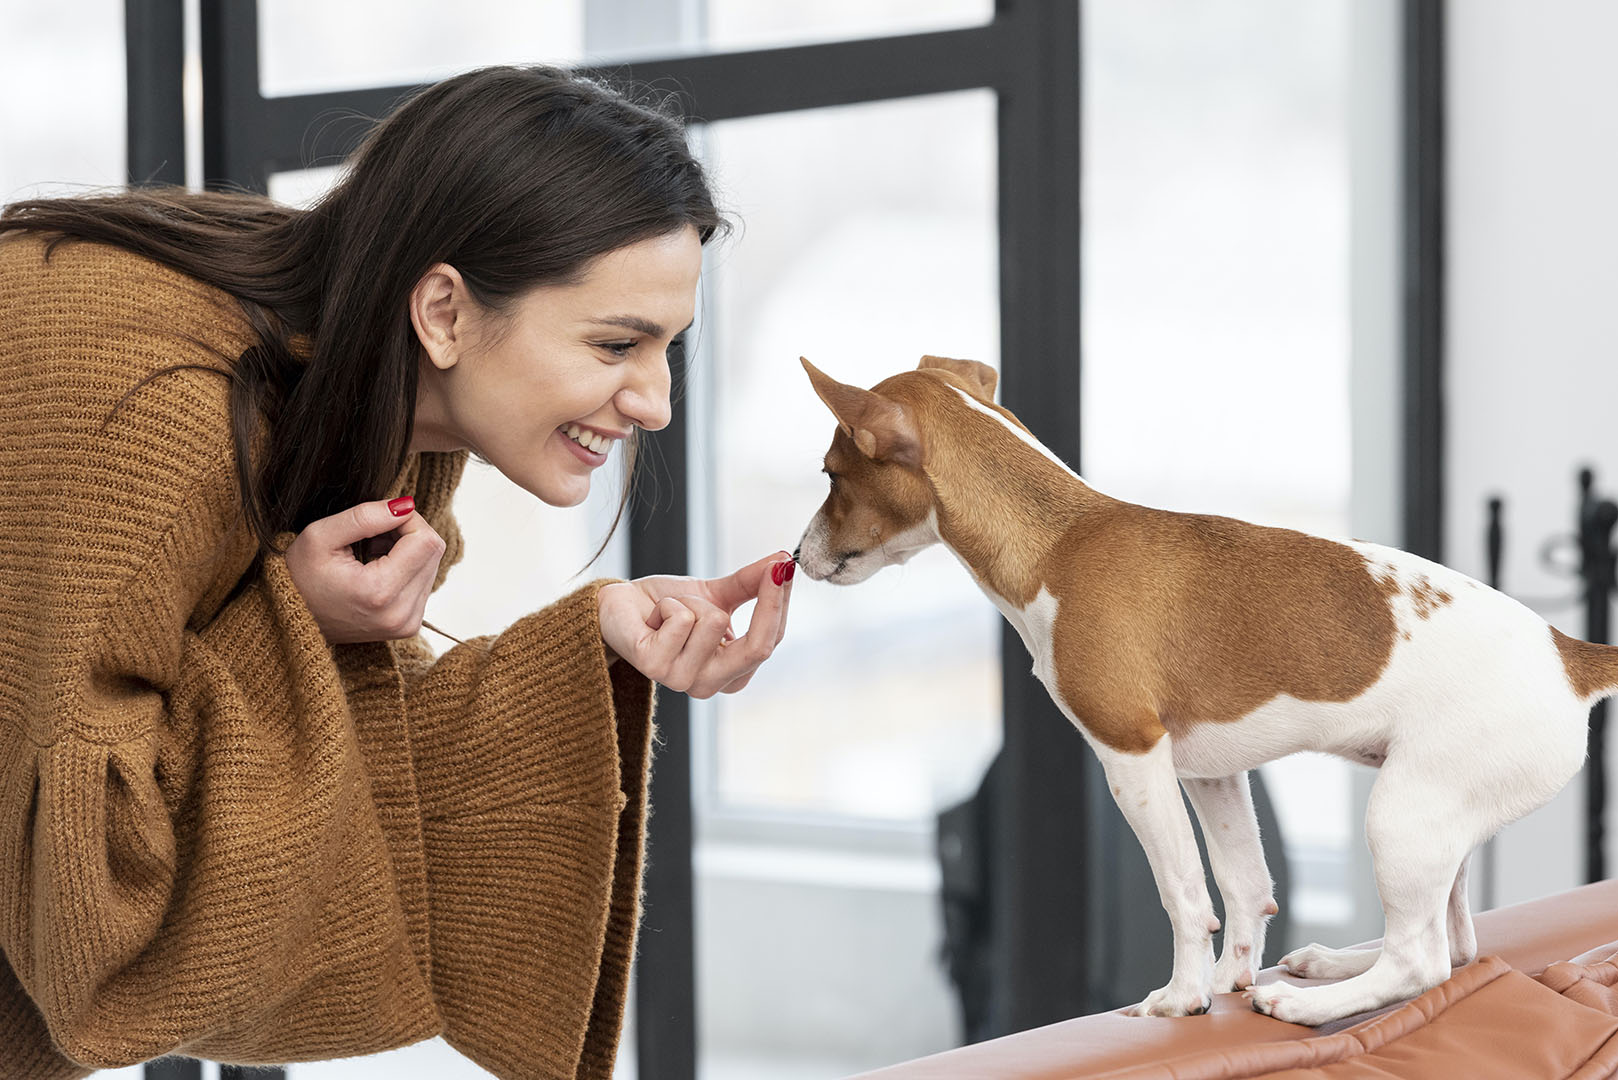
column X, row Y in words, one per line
column 368, row 519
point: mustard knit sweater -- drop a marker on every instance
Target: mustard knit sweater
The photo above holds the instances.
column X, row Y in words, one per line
column 221, row 835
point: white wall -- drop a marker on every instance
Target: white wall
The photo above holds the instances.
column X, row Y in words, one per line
column 1532, row 349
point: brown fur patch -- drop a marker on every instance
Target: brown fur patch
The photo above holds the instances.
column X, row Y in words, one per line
column 1168, row 620
column 1590, row 667
column 1428, row 599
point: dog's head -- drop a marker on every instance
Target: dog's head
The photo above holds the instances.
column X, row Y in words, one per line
column 880, row 508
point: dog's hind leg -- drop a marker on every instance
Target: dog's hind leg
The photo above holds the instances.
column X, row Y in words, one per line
column 1463, row 941
column 1319, row 962
column 1230, row 828
column 1148, row 792
column 1419, row 830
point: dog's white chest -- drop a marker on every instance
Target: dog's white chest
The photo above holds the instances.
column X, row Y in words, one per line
column 1035, row 624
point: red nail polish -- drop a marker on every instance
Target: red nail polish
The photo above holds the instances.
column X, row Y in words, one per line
column 791, row 568
column 402, row 506
column 778, row 572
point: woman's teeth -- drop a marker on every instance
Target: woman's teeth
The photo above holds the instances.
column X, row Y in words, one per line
column 587, row 439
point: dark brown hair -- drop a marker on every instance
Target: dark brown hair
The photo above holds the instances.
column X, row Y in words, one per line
column 516, row 176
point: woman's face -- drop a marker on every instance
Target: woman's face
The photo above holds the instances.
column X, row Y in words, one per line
column 547, row 389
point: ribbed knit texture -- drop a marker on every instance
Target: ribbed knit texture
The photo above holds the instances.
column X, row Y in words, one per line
column 219, row 834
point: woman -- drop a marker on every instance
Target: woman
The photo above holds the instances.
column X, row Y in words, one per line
column 244, row 814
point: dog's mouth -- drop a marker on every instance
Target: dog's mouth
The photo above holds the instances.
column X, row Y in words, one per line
column 829, row 567
column 843, row 559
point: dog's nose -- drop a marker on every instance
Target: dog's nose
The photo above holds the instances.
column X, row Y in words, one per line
column 795, row 552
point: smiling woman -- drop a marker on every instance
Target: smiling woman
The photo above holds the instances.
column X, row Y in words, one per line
column 543, row 390
column 244, row 813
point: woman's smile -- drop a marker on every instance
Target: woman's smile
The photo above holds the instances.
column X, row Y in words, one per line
column 590, row 447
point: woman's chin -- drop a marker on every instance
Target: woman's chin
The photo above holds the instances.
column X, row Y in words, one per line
column 554, row 487
column 564, row 490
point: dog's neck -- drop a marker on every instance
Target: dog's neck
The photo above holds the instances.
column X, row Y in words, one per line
column 1003, row 503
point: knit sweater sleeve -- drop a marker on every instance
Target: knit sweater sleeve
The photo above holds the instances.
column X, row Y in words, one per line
column 531, row 762
column 528, row 764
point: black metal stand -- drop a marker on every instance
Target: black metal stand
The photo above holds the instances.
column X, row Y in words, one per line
column 1596, row 565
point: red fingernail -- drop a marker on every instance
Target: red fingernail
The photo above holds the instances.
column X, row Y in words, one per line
column 402, row 506
column 780, row 571
column 791, row 568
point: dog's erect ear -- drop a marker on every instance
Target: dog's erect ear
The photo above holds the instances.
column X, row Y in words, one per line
column 982, row 376
column 882, row 429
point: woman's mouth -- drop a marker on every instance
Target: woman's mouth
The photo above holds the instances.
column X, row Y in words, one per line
column 589, row 446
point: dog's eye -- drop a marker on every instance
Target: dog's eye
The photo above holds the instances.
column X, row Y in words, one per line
column 830, row 476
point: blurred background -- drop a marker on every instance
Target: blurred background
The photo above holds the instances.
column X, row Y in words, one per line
column 1243, row 303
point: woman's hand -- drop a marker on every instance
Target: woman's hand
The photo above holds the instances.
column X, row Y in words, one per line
column 378, row 600
column 676, row 630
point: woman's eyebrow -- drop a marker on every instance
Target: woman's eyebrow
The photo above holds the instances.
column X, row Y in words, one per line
column 637, row 324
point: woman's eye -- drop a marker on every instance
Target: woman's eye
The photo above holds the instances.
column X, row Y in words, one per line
column 619, row 349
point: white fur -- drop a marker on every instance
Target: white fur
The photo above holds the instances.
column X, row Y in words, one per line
column 1021, row 435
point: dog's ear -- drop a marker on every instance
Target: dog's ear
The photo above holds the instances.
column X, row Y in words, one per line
column 882, row 429
column 982, row 376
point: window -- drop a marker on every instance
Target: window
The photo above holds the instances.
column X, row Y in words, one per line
column 1219, row 308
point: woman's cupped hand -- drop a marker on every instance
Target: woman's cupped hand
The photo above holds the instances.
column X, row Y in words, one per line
column 366, row 572
column 676, row 630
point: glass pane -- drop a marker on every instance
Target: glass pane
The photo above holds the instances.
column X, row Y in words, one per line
column 62, row 121
column 301, row 187
column 310, row 45
column 306, row 46
column 1216, row 293
column 739, row 24
column 884, row 701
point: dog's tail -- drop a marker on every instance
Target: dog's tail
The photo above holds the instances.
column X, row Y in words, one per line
column 1591, row 668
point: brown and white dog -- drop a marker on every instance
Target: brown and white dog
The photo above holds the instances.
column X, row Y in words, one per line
column 1194, row 648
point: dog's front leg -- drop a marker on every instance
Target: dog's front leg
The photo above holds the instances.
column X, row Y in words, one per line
column 1147, row 791
column 1230, row 829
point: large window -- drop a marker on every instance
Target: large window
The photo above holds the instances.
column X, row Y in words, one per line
column 1220, row 308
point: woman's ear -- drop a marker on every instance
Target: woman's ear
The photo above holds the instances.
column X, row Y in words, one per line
column 437, row 311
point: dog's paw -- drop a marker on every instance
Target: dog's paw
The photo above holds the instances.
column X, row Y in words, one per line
column 1235, row 970
column 1174, row 1000
column 1318, row 962
column 1293, row 1004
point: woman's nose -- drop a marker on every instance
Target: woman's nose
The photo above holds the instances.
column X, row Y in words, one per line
column 645, row 401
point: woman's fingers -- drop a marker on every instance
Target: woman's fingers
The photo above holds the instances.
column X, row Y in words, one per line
column 733, row 590
column 692, row 670
column 733, row 667
column 786, row 600
column 671, row 623
column 769, row 615
column 740, row 682
column 685, row 640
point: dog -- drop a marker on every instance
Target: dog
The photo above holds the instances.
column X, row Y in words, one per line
column 1193, row 648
